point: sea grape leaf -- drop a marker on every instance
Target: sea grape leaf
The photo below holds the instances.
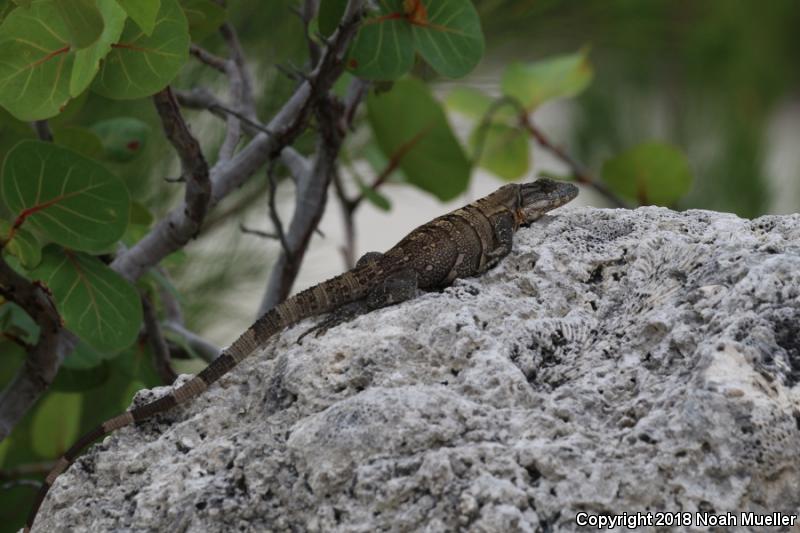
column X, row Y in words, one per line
column 650, row 173
column 70, row 199
column 80, row 140
column 411, row 129
column 140, row 65
column 204, row 17
column 474, row 103
column 142, row 12
column 56, row 423
column 16, row 321
column 563, row 76
column 123, row 138
column 87, row 61
column 447, row 34
column 505, row 150
column 96, row 303
column 36, row 59
column 20, row 243
column 384, row 46
column 83, row 21
column 330, row 14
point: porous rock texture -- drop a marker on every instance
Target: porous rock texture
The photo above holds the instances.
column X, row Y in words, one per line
column 616, row 361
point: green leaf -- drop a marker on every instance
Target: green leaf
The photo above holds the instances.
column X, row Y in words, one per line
column 411, row 129
column 330, row 14
column 84, row 357
column 373, row 196
column 447, row 34
column 35, row 62
column 87, row 61
column 505, row 151
column 476, row 104
column 96, row 303
column 17, row 322
column 558, row 77
column 80, row 140
column 142, row 12
column 140, row 65
column 123, row 138
column 82, row 19
column 140, row 215
column 79, row 380
column 204, row 17
column 650, row 173
column 23, row 244
column 384, row 46
column 71, row 200
column 56, row 423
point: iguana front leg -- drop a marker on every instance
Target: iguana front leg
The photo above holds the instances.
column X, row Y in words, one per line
column 394, row 289
column 504, row 237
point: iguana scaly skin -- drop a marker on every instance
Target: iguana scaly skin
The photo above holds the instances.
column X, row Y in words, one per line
column 463, row 243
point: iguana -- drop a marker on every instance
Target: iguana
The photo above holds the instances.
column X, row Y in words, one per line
column 463, row 243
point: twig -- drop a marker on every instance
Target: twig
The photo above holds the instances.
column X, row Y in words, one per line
column 171, row 305
column 205, row 349
column 41, row 363
column 206, row 57
column 161, row 356
column 580, row 173
column 310, row 201
column 273, row 209
column 246, row 100
column 309, row 11
column 348, row 249
column 203, row 99
column 24, row 470
column 298, row 166
column 258, row 233
column 193, row 164
column 43, row 131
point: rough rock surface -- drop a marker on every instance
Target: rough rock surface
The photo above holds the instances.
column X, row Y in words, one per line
column 617, row 361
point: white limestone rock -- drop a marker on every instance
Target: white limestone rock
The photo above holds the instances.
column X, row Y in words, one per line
column 617, row 361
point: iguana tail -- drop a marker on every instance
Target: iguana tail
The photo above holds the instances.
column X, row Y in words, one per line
column 319, row 299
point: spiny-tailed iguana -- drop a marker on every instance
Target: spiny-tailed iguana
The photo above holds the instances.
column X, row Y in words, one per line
column 463, row 243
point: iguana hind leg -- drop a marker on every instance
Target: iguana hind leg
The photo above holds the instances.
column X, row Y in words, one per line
column 396, row 288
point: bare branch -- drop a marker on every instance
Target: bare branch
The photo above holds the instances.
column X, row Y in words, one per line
column 206, row 350
column 299, row 166
column 43, row 131
column 206, row 57
column 193, row 163
column 273, row 209
column 41, row 364
column 172, row 307
column 580, row 173
column 245, row 95
column 310, row 201
column 161, row 356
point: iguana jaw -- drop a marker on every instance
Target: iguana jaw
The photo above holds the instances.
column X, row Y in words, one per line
column 539, row 197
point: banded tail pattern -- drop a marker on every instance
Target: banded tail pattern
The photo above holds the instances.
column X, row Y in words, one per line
column 317, row 300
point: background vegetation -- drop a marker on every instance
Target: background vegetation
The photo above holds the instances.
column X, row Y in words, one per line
column 670, row 102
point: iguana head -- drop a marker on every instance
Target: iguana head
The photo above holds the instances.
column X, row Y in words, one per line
column 538, row 197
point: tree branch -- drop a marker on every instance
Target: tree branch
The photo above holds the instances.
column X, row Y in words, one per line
column 310, row 200
column 204, row 349
column 161, row 356
column 194, row 168
column 41, row 364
